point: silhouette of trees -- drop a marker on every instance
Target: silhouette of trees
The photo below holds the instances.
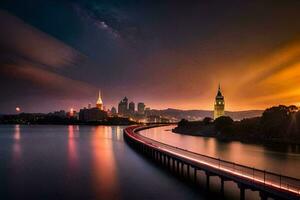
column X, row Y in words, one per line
column 280, row 123
column 224, row 125
column 183, row 123
column 207, row 120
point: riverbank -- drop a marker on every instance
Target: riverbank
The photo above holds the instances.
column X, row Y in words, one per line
column 210, row 131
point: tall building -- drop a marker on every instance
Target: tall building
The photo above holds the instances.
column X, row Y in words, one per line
column 99, row 103
column 93, row 114
column 113, row 111
column 141, row 108
column 219, row 104
column 123, row 107
column 131, row 108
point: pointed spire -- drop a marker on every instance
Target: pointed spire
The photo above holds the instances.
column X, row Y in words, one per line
column 99, row 101
column 219, row 90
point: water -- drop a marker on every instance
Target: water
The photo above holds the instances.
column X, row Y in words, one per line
column 79, row 162
column 282, row 159
column 93, row 162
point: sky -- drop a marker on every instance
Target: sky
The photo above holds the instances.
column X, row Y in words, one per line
column 57, row 54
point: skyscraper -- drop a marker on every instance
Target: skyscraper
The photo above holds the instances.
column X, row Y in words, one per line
column 131, row 108
column 123, row 107
column 141, row 108
column 113, row 111
column 99, row 103
column 219, row 104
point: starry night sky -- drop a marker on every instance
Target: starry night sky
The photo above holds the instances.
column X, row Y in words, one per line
column 56, row 54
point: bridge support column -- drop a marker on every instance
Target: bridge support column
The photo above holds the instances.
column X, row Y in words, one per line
column 242, row 192
column 195, row 174
column 188, row 171
column 160, row 158
column 182, row 169
column 173, row 164
column 207, row 180
column 263, row 195
column 166, row 161
column 222, row 187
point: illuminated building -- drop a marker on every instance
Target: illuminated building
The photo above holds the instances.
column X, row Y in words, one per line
column 99, row 103
column 131, row 109
column 141, row 108
column 93, row 114
column 219, row 104
column 113, row 111
column 123, row 107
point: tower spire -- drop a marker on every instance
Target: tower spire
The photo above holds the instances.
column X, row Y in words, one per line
column 99, row 103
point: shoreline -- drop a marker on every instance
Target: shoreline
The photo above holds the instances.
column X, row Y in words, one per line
column 246, row 140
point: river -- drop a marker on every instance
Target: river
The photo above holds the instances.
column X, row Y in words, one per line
column 79, row 162
column 94, row 162
column 278, row 158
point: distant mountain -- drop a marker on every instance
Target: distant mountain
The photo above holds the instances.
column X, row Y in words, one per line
column 191, row 115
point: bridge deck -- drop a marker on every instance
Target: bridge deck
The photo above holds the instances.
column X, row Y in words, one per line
column 272, row 183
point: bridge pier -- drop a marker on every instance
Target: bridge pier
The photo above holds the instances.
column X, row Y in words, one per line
column 173, row 165
column 188, row 171
column 222, row 191
column 160, row 158
column 177, row 169
column 222, row 187
column 242, row 191
column 195, row 175
column 182, row 169
column 207, row 180
column 263, row 195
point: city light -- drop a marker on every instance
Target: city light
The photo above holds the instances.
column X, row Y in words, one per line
column 18, row 109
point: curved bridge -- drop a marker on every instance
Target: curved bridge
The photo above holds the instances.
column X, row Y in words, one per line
column 186, row 163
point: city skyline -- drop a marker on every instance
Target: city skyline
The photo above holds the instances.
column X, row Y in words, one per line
column 146, row 99
column 169, row 55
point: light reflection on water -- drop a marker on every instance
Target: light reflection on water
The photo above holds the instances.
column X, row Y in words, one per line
column 73, row 133
column 104, row 166
column 282, row 159
column 79, row 162
column 16, row 145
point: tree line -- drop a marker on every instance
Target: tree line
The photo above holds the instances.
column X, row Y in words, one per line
column 276, row 123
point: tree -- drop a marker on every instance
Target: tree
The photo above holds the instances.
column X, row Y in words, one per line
column 183, row 123
column 224, row 125
column 207, row 120
column 275, row 121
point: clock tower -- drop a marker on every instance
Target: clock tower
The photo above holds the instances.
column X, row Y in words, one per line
column 219, row 104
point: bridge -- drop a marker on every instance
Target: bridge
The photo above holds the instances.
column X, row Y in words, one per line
column 186, row 163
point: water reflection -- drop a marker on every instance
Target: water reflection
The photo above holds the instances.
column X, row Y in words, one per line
column 17, row 133
column 276, row 158
column 104, row 164
column 73, row 133
column 16, row 143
